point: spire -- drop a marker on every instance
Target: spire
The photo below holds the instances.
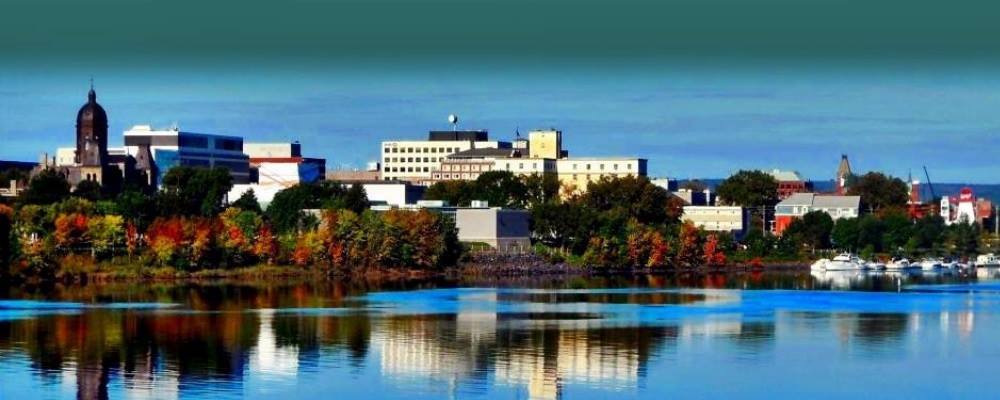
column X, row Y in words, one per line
column 91, row 95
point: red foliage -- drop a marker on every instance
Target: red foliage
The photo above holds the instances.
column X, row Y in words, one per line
column 713, row 257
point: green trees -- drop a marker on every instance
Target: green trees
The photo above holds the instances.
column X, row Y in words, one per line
column 89, row 190
column 749, row 189
column 879, row 191
column 813, row 229
column 286, row 209
column 247, row 201
column 6, row 238
column 194, row 191
column 635, row 197
column 47, row 187
column 498, row 188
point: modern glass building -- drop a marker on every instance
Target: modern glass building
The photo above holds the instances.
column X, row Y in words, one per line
column 172, row 147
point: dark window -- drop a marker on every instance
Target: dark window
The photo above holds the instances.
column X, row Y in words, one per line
column 193, row 141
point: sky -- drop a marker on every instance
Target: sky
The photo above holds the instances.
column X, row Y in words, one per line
column 700, row 88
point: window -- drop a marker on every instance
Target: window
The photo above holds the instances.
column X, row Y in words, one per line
column 387, row 159
column 588, row 167
column 387, row 150
column 616, row 167
column 520, row 166
column 426, row 169
column 602, row 167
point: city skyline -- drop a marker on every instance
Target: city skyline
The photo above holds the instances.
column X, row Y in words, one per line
column 687, row 129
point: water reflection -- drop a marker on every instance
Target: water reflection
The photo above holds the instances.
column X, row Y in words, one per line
column 312, row 339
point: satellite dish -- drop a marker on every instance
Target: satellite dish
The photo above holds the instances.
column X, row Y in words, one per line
column 452, row 119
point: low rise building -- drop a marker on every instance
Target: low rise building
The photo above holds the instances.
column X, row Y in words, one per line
column 799, row 204
column 282, row 164
column 733, row 219
column 505, row 230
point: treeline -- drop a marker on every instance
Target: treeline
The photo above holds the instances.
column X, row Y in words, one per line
column 617, row 222
column 186, row 226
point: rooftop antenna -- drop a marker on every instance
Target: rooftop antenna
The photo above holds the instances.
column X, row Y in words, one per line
column 453, row 120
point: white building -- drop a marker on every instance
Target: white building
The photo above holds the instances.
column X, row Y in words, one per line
column 172, row 147
column 393, row 194
column 799, row 204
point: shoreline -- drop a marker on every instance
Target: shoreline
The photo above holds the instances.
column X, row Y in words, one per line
column 469, row 270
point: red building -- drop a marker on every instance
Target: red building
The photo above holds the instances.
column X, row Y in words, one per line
column 789, row 183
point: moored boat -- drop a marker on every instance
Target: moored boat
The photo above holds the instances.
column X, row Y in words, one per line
column 930, row 264
column 844, row 262
column 988, row 261
column 898, row 264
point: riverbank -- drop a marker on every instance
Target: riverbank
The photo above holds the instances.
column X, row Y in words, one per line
column 482, row 266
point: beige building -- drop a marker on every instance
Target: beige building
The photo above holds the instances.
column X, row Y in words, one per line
column 414, row 160
column 718, row 218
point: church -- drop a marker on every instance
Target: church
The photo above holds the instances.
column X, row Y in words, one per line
column 92, row 160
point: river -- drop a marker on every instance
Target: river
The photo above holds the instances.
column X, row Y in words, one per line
column 740, row 335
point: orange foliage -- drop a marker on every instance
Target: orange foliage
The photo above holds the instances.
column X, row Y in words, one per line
column 713, row 257
column 71, row 229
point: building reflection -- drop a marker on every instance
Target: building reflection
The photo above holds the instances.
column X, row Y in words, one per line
column 243, row 339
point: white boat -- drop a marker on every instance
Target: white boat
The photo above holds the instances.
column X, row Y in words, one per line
column 820, row 265
column 898, row 264
column 930, row 264
column 950, row 264
column 876, row 266
column 844, row 262
column 987, row 261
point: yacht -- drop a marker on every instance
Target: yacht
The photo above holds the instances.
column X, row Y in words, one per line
column 988, row 261
column 898, row 264
column 844, row 262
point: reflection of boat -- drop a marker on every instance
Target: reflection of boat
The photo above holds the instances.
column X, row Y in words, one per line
column 987, row 261
column 820, row 265
column 836, row 279
column 988, row 273
column 930, row 264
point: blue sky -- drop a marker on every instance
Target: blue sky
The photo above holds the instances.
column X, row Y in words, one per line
column 688, row 121
column 700, row 88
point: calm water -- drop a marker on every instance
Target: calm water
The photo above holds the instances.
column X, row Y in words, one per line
column 717, row 336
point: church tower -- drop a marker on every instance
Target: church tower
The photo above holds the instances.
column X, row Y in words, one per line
column 92, row 139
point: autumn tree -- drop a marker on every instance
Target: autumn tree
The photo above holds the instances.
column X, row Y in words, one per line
column 47, row 187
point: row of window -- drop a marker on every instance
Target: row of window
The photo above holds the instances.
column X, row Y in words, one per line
column 447, row 150
column 412, row 159
column 600, row 167
column 405, row 169
column 465, row 167
column 456, row 176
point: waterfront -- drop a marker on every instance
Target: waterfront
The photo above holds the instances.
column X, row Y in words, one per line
column 704, row 336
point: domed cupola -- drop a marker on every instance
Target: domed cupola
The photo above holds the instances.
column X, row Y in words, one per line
column 91, row 132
